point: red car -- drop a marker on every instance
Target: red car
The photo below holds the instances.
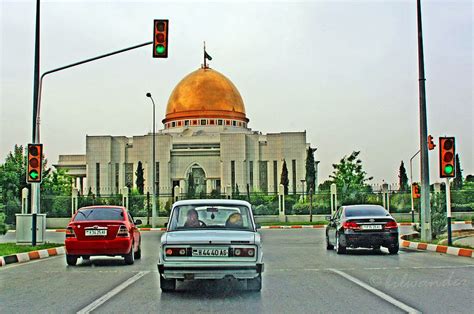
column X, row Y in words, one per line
column 102, row 230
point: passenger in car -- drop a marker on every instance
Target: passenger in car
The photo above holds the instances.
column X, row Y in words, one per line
column 192, row 220
column 234, row 221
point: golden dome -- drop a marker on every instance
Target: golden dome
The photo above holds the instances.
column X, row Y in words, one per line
column 205, row 93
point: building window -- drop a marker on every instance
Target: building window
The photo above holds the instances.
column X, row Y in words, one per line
column 117, row 177
column 180, row 123
column 293, row 165
column 129, row 175
column 234, row 123
column 195, row 122
column 251, row 174
column 219, row 122
column 232, row 175
column 186, row 122
column 203, row 122
column 263, row 176
column 97, row 179
column 212, row 122
column 227, row 122
column 275, row 176
column 218, row 186
column 173, row 124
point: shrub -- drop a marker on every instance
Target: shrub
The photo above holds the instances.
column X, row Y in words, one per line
column 3, row 226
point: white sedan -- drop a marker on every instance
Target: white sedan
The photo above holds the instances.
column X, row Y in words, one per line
column 211, row 239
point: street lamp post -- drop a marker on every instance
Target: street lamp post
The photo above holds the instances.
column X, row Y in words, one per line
column 153, row 215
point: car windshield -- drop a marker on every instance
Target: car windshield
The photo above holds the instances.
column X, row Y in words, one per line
column 367, row 211
column 228, row 216
column 99, row 213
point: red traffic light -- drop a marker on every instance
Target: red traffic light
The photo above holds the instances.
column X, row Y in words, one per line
column 415, row 190
column 35, row 163
column 160, row 39
column 446, row 157
column 431, row 145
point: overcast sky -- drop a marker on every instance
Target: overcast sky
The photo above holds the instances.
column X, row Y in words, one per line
column 344, row 71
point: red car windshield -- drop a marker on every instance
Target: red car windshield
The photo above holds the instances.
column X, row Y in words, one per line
column 99, row 213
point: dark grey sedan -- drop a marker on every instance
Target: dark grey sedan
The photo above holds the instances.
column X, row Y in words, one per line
column 366, row 226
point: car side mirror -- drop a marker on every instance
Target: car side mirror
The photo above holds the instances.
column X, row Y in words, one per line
column 166, row 225
column 258, row 226
column 328, row 218
column 138, row 222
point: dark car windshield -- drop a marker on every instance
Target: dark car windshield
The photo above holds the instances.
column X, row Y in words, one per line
column 99, row 213
column 228, row 216
column 367, row 211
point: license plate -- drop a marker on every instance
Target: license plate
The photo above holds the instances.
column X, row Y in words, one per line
column 210, row 252
column 96, row 232
column 371, row 227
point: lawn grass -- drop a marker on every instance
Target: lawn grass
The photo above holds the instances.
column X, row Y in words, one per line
column 13, row 248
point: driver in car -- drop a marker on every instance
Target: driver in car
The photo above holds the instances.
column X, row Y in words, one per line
column 192, row 220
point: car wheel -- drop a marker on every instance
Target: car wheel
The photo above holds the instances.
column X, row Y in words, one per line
column 86, row 257
column 167, row 285
column 393, row 249
column 340, row 249
column 138, row 253
column 130, row 257
column 71, row 260
column 329, row 246
column 255, row 284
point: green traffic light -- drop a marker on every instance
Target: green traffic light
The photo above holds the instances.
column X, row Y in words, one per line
column 160, row 49
column 448, row 169
column 34, row 174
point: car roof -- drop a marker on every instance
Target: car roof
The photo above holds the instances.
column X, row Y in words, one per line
column 212, row 201
column 101, row 206
column 363, row 206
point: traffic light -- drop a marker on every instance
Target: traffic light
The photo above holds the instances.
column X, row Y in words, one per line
column 416, row 190
column 431, row 145
column 446, row 157
column 35, row 163
column 160, row 39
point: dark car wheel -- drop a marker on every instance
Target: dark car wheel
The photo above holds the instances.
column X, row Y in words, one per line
column 167, row 285
column 393, row 249
column 340, row 249
column 71, row 260
column 329, row 246
column 255, row 284
column 130, row 257
column 138, row 253
column 86, row 257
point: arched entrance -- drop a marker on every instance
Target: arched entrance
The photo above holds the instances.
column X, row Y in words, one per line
column 196, row 180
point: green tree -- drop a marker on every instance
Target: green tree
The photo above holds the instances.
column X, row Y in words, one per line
column 457, row 182
column 191, row 188
column 140, row 182
column 402, row 178
column 349, row 175
column 284, row 177
column 310, row 170
column 13, row 174
column 57, row 182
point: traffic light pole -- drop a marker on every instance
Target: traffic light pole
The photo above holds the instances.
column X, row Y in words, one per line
column 448, row 209
column 411, row 188
column 425, row 175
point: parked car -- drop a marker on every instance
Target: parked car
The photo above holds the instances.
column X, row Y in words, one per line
column 211, row 239
column 102, row 230
column 367, row 226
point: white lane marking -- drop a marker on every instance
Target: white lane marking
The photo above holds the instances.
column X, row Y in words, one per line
column 377, row 292
column 112, row 293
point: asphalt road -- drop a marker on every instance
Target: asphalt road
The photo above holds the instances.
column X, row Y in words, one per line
column 300, row 276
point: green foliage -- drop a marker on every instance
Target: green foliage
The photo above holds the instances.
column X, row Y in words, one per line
column 57, row 182
column 140, row 182
column 325, row 186
column 402, row 178
column 310, row 170
column 349, row 175
column 3, row 226
column 457, row 182
column 438, row 214
column 191, row 188
column 13, row 174
column 284, row 177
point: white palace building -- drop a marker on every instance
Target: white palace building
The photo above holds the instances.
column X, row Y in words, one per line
column 205, row 132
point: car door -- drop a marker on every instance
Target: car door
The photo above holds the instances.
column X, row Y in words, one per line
column 134, row 230
column 333, row 226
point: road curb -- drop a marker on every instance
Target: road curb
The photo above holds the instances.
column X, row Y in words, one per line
column 451, row 250
column 30, row 256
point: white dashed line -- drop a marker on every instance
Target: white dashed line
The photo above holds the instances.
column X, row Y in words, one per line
column 377, row 292
column 112, row 293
